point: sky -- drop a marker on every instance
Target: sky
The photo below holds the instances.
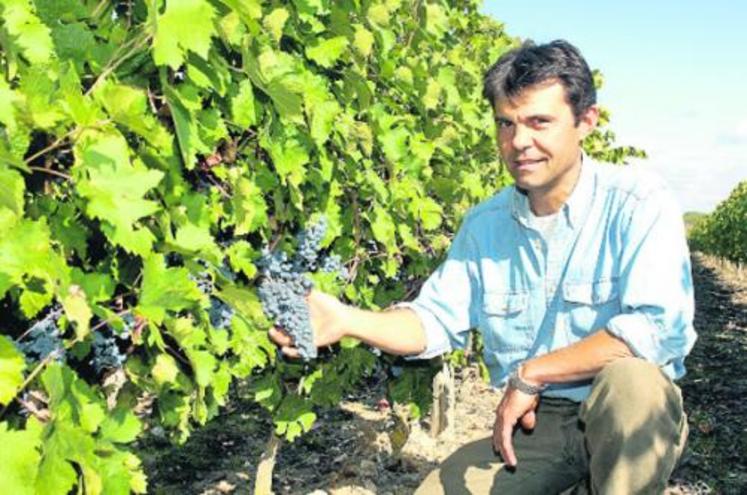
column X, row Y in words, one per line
column 675, row 77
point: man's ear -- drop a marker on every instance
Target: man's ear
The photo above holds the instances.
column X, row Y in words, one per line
column 588, row 121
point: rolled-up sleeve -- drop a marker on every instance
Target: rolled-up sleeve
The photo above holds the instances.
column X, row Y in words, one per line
column 447, row 302
column 656, row 288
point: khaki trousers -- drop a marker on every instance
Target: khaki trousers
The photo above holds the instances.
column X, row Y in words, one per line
column 625, row 438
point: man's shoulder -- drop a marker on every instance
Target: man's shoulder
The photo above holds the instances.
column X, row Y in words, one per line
column 629, row 182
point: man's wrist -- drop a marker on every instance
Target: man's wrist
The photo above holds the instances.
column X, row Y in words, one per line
column 517, row 380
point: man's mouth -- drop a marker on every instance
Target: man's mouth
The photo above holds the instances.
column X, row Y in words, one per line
column 527, row 162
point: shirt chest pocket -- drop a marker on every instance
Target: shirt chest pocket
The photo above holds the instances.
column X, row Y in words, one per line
column 589, row 305
column 506, row 323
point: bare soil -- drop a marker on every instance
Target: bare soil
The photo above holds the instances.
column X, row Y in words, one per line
column 365, row 447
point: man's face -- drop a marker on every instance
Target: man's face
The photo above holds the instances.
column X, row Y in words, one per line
column 540, row 141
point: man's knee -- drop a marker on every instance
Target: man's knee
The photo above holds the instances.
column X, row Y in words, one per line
column 629, row 393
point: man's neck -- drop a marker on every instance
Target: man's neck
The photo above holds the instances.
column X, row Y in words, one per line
column 552, row 198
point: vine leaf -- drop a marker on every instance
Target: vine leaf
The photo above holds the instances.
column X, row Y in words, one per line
column 114, row 188
column 165, row 289
column 21, row 462
column 327, row 52
column 28, row 34
column 12, row 365
column 185, row 25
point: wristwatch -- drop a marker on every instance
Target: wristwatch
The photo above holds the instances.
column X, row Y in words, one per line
column 515, row 381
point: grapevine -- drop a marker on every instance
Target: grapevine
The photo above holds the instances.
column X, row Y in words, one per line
column 150, row 150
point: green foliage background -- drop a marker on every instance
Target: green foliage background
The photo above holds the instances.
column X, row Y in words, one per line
column 724, row 232
column 144, row 143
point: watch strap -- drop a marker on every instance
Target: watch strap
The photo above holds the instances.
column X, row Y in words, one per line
column 515, row 381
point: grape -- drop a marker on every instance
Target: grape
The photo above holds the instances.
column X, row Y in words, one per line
column 44, row 338
column 333, row 264
column 309, row 242
column 220, row 313
column 285, row 303
column 106, row 352
column 284, row 286
column 203, row 281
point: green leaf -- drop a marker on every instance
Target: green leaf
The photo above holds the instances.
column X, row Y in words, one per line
column 328, row 51
column 120, row 426
column 203, row 365
column 28, row 33
column 25, row 252
column 196, row 239
column 165, row 289
column 394, row 144
column 242, row 105
column 12, row 364
column 240, row 256
column 186, row 25
column 322, row 120
column 250, row 209
column 383, row 228
column 12, row 188
column 437, row 21
column 184, row 105
column 75, row 42
column 128, row 106
column 289, row 156
column 114, row 188
column 431, row 213
column 19, row 463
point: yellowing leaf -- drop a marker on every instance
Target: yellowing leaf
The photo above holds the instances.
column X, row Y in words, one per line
column 77, row 310
column 379, row 15
column 363, row 40
column 186, row 25
column 275, row 21
column 327, row 52
column 165, row 370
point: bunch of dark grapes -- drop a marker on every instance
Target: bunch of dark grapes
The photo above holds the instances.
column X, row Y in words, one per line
column 106, row 352
column 44, row 338
column 285, row 286
column 220, row 313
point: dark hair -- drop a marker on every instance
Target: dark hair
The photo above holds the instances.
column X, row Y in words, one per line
column 530, row 64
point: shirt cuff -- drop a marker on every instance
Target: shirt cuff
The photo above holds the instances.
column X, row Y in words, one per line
column 640, row 334
column 436, row 340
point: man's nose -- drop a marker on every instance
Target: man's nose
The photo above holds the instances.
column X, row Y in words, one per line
column 522, row 137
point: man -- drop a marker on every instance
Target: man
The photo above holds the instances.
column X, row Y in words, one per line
column 578, row 278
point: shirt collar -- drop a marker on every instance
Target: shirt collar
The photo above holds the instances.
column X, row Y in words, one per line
column 574, row 208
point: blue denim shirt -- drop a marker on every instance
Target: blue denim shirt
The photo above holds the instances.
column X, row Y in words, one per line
column 617, row 260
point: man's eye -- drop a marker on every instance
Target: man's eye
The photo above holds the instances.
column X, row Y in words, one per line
column 504, row 124
column 539, row 122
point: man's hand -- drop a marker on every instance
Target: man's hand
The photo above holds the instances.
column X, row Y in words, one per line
column 327, row 317
column 515, row 407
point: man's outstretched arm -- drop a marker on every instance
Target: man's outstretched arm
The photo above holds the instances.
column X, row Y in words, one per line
column 396, row 331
